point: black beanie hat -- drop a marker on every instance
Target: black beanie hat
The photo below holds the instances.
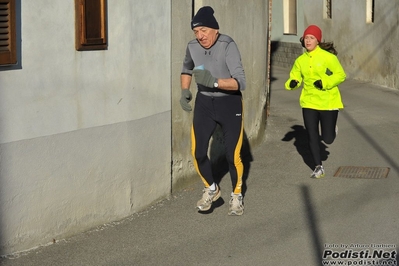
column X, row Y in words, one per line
column 204, row 17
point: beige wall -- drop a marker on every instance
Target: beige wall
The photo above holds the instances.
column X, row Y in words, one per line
column 84, row 136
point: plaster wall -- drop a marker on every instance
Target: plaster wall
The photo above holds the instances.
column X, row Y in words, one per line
column 84, row 136
column 367, row 51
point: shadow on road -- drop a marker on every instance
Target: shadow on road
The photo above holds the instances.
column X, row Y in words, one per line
column 300, row 137
column 313, row 224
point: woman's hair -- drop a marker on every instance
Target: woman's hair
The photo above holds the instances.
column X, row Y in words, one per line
column 328, row 46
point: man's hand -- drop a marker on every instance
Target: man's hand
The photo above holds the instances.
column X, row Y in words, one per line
column 204, row 77
column 318, row 84
column 186, row 97
column 293, row 83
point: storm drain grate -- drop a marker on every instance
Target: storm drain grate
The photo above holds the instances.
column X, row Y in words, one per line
column 362, row 172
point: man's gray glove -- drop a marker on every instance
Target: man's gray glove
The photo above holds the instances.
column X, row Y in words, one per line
column 186, row 97
column 204, row 77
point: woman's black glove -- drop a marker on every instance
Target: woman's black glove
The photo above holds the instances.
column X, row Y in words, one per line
column 293, row 83
column 318, row 84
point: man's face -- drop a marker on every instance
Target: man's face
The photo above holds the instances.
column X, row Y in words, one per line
column 310, row 42
column 206, row 36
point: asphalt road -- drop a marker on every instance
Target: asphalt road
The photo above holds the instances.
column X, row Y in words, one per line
column 289, row 218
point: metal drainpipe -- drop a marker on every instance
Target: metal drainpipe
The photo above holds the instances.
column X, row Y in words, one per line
column 269, row 59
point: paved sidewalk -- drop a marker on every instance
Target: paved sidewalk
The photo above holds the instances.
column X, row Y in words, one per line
column 289, row 218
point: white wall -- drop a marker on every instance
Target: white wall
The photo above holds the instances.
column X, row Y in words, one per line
column 60, row 89
column 84, row 136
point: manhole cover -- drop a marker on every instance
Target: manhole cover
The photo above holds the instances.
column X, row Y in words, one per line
column 362, row 172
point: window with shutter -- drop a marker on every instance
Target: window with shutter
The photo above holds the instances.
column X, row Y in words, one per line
column 91, row 25
column 8, row 51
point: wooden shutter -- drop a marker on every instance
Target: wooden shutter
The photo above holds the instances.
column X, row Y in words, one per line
column 8, row 53
column 91, row 30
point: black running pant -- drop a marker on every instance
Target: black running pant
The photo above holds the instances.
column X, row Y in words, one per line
column 327, row 120
column 227, row 111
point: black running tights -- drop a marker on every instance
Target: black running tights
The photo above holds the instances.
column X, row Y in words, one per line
column 327, row 120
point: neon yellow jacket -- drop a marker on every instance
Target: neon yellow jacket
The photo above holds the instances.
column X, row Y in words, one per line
column 312, row 66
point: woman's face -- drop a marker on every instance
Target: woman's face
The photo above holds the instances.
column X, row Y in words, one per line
column 310, row 42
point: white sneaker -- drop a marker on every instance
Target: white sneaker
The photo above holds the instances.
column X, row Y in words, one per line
column 318, row 172
column 236, row 206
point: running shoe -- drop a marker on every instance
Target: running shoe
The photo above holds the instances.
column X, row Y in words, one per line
column 208, row 197
column 236, row 206
column 318, row 172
